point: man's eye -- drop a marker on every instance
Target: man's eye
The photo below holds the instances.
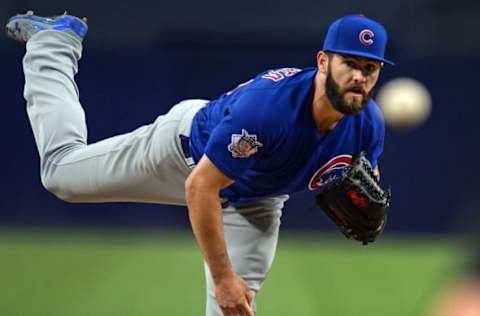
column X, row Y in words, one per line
column 370, row 68
column 350, row 63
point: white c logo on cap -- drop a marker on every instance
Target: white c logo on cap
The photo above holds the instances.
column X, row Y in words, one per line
column 366, row 37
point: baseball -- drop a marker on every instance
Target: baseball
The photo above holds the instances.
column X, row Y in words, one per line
column 405, row 103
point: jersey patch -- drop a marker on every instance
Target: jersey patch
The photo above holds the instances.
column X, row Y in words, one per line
column 244, row 145
column 329, row 172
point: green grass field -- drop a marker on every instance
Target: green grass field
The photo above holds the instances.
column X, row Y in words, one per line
column 83, row 274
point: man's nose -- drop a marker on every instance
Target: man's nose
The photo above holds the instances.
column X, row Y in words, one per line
column 359, row 76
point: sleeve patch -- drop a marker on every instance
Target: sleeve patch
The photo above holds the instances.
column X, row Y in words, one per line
column 243, row 145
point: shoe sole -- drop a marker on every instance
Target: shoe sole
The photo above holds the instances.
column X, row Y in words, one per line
column 76, row 26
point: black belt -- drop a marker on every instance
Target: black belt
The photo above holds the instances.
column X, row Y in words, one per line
column 187, row 155
column 185, row 143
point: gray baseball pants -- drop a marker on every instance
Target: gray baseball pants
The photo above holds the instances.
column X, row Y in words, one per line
column 146, row 165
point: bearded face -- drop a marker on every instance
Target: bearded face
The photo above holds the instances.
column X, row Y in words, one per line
column 350, row 99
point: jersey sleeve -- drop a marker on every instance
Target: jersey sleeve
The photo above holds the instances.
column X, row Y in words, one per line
column 375, row 147
column 243, row 135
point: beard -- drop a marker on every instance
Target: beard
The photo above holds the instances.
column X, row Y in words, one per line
column 338, row 100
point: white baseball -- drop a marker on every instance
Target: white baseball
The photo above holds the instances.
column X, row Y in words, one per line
column 405, row 103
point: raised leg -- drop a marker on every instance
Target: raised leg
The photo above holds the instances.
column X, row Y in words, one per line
column 145, row 165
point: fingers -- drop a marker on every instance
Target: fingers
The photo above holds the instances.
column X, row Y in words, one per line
column 234, row 297
column 250, row 296
column 247, row 310
column 243, row 309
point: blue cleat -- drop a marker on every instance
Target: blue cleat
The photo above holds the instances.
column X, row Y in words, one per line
column 22, row 27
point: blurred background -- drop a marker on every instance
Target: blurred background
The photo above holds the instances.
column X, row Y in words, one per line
column 142, row 57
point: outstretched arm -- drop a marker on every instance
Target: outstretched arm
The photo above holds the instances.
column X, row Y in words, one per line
column 202, row 191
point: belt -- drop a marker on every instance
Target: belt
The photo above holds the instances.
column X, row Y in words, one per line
column 187, row 156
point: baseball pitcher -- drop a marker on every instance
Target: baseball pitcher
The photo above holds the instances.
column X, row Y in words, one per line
column 232, row 161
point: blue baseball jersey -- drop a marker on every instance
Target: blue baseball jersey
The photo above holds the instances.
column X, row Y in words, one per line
column 263, row 135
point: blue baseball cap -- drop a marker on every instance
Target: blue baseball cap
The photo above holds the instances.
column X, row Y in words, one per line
column 357, row 35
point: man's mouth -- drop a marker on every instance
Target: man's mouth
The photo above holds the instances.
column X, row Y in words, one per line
column 358, row 91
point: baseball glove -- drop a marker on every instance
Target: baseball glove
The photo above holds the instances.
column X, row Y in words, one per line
column 356, row 202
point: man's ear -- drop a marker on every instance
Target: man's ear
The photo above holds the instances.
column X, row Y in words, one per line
column 322, row 61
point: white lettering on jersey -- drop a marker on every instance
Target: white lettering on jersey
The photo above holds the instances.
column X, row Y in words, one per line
column 280, row 74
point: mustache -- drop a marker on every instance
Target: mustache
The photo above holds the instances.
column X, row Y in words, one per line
column 356, row 89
